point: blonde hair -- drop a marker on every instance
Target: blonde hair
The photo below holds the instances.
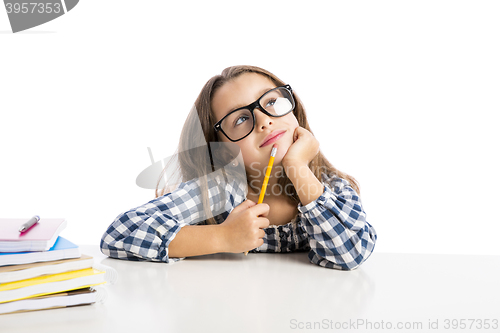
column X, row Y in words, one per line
column 190, row 165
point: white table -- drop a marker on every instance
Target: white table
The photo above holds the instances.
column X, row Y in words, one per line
column 282, row 293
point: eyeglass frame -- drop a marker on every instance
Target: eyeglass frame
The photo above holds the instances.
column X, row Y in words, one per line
column 252, row 107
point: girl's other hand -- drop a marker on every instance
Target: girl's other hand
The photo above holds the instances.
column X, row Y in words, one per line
column 303, row 149
column 243, row 228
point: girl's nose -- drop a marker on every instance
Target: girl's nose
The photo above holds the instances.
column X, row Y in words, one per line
column 262, row 120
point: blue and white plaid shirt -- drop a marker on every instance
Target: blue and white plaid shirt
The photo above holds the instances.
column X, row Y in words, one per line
column 332, row 228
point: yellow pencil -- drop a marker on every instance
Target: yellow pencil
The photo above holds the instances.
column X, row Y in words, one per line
column 266, row 178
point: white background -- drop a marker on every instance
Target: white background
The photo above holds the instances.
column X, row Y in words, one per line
column 401, row 95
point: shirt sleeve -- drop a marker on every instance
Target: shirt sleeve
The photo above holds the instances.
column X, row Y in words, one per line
column 290, row 237
column 339, row 235
column 145, row 232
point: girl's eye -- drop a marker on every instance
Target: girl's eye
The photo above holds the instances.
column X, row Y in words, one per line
column 240, row 120
column 270, row 102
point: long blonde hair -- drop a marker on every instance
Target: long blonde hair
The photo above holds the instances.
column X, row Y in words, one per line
column 190, row 166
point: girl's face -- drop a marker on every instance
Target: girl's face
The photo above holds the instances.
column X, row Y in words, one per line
column 239, row 92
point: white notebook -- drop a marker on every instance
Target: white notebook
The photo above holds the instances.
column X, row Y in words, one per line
column 59, row 300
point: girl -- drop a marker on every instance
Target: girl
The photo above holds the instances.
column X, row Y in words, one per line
column 309, row 205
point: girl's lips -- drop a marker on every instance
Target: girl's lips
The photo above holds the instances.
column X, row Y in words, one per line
column 273, row 139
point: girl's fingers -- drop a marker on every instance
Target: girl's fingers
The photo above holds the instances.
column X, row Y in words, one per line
column 262, row 233
column 260, row 209
column 262, row 223
column 244, row 205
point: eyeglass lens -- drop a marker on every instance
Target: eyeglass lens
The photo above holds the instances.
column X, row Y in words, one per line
column 240, row 123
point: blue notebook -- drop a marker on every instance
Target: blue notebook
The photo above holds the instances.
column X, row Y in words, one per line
column 62, row 249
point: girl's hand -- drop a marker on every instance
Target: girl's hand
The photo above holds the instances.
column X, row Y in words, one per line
column 303, row 149
column 242, row 230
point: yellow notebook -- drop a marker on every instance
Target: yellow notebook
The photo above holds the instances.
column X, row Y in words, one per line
column 49, row 284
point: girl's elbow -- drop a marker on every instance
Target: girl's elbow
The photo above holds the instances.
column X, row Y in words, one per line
column 362, row 257
column 105, row 247
column 347, row 261
column 352, row 265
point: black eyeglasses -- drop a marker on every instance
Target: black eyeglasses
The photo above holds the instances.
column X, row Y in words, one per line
column 238, row 124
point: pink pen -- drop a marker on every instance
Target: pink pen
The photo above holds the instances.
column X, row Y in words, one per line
column 28, row 225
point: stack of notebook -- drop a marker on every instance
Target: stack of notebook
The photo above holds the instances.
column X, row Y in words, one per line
column 40, row 269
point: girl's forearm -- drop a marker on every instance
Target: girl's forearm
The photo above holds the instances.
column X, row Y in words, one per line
column 196, row 240
column 308, row 187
